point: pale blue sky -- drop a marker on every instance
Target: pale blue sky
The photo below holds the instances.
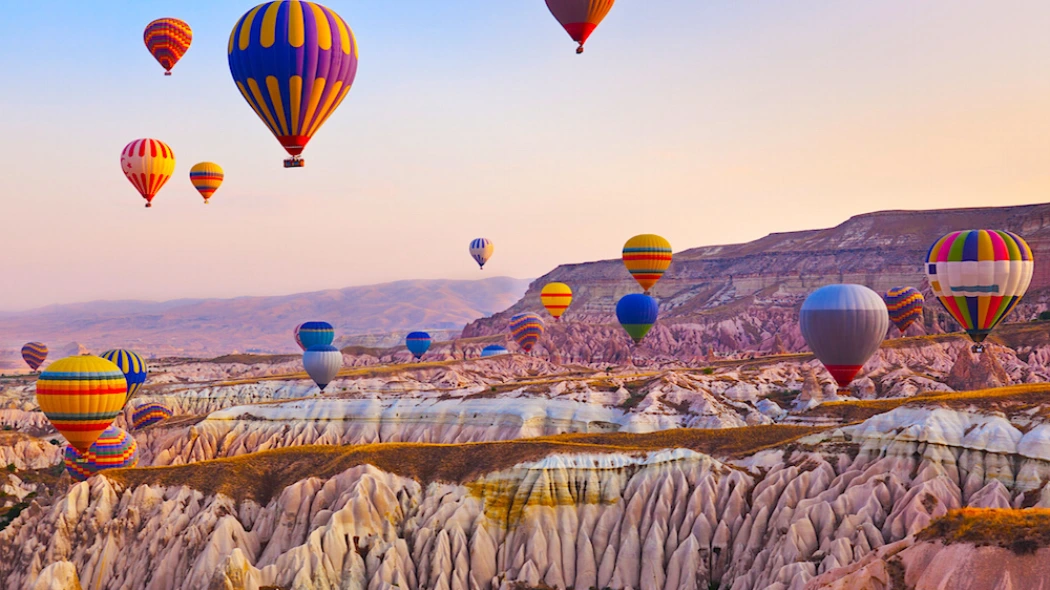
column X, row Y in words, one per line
column 705, row 121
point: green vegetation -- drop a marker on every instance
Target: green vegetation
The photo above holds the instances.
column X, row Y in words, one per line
column 1020, row 531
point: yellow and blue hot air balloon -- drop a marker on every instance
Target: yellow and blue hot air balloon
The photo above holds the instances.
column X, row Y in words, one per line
column 206, row 177
column 556, row 298
column 979, row 275
column 294, row 63
column 481, row 250
column 905, row 306
column 646, row 257
column 81, row 395
column 34, row 354
column 133, row 367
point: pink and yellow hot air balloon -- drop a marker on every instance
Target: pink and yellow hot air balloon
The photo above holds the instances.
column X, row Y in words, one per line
column 206, row 178
column 148, row 164
column 167, row 39
column 579, row 17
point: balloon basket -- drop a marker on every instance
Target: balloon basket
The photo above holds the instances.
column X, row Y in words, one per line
column 978, row 348
column 148, row 204
column 579, row 49
column 167, row 73
column 294, row 162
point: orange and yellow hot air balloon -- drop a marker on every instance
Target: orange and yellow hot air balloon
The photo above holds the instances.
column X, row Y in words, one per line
column 580, row 17
column 647, row 257
column 167, row 40
column 556, row 297
column 81, row 395
column 148, row 164
column 206, row 178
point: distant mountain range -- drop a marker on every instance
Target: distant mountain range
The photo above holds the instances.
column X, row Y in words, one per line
column 373, row 314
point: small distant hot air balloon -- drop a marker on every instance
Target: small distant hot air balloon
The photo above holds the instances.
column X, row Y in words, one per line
column 322, row 363
column 148, row 414
column 34, row 354
column 294, row 63
column 133, row 367
column 148, row 164
column 979, row 275
column 844, row 325
column 81, row 395
column 526, row 329
column 905, row 306
column 310, row 334
column 493, row 350
column 167, row 39
column 481, row 250
column 556, row 297
column 579, row 17
column 637, row 313
column 114, row 449
column 206, row 177
column 418, row 343
column 647, row 257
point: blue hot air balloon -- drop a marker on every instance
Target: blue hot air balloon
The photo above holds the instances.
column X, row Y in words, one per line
column 493, row 350
column 418, row 343
column 310, row 334
column 637, row 314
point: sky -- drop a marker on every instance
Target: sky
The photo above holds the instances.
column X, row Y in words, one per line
column 707, row 122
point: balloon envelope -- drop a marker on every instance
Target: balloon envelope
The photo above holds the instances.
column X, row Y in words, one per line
column 481, row 250
column 418, row 343
column 526, row 329
column 314, row 334
column 646, row 257
column 322, row 363
column 637, row 313
column 905, row 306
column 133, row 367
column 979, row 276
column 206, row 177
column 579, row 17
column 493, row 350
column 148, row 164
column 148, row 414
column 34, row 354
column 114, row 449
column 556, row 298
column 81, row 395
column 843, row 326
column 167, row 40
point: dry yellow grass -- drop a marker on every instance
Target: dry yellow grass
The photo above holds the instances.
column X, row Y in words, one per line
column 1021, row 531
column 260, row 476
column 1009, row 399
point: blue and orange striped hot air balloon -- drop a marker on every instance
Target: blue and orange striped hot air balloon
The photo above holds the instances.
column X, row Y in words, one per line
column 206, row 177
column 580, row 17
column 294, row 62
column 904, row 305
column 34, row 354
column 167, row 40
column 81, row 395
column 646, row 257
column 148, row 414
column 526, row 329
column 133, row 367
column 979, row 275
column 114, row 449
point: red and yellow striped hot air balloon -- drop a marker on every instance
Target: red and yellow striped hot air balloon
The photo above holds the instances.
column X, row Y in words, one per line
column 556, row 297
column 148, row 164
column 206, row 178
column 167, row 39
column 81, row 395
column 580, row 17
column 646, row 257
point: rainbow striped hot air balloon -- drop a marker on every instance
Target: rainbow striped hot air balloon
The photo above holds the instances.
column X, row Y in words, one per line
column 294, row 63
column 979, row 275
column 206, row 177
column 905, row 306
column 481, row 250
column 556, row 298
column 418, row 343
column 114, row 449
column 34, row 354
column 148, row 164
column 646, row 257
column 148, row 414
column 526, row 329
column 81, row 395
column 637, row 313
column 580, row 17
column 167, row 39
column 134, row 369
column 310, row 334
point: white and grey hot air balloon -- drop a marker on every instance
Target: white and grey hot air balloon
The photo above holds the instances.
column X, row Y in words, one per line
column 843, row 326
column 322, row 363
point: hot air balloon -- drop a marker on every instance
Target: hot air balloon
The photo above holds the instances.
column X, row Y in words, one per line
column 556, row 297
column 579, row 17
column 637, row 313
column 133, row 367
column 418, row 343
column 167, row 39
column 843, row 326
column 148, row 164
column 148, row 414
column 481, row 250
column 322, row 363
column 313, row 334
column 979, row 275
column 34, row 354
column 206, row 178
column 647, row 257
column 493, row 350
column 526, row 329
column 114, row 449
column 904, row 305
column 294, row 63
column 81, row 395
